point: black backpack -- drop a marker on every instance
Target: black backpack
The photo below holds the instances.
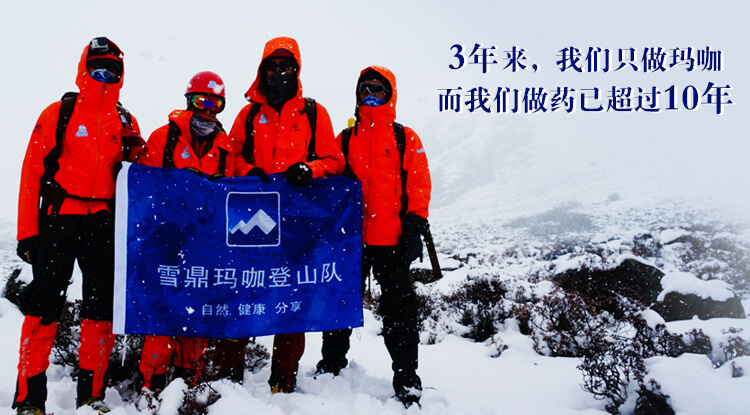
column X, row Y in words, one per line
column 52, row 192
column 311, row 109
column 398, row 132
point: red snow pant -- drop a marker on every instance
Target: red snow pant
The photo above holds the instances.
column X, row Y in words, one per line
column 89, row 240
column 188, row 354
column 158, row 351
column 287, row 351
column 229, row 359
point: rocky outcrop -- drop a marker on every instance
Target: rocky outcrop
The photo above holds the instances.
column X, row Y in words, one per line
column 679, row 306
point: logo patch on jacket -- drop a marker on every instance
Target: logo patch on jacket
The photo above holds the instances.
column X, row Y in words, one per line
column 387, row 153
column 82, row 132
column 185, row 153
column 263, row 119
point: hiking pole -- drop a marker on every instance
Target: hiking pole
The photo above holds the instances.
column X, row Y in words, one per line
column 437, row 273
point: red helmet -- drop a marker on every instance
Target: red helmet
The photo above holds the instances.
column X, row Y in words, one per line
column 206, row 82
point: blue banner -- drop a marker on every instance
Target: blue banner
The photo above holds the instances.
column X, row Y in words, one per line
column 235, row 257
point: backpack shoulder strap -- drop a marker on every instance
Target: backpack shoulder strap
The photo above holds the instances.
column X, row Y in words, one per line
column 130, row 139
column 125, row 117
column 249, row 145
column 52, row 159
column 346, row 135
column 398, row 132
column 172, row 136
column 311, row 109
column 222, row 160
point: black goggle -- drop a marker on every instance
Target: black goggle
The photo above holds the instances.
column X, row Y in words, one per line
column 285, row 66
column 371, row 88
column 112, row 65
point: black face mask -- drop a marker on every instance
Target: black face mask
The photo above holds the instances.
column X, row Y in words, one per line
column 280, row 87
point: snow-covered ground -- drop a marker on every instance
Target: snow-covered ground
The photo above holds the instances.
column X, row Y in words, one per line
column 460, row 376
column 515, row 195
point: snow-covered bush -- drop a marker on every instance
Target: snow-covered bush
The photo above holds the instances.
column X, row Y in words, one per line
column 608, row 369
column 616, row 359
column 561, row 324
column 734, row 346
column 713, row 252
column 651, row 401
column 697, row 342
column 481, row 305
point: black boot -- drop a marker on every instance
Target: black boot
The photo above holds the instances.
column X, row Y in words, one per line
column 190, row 376
column 335, row 347
column 282, row 380
column 402, row 341
column 235, row 374
column 85, row 391
column 158, row 382
column 36, row 396
column 408, row 387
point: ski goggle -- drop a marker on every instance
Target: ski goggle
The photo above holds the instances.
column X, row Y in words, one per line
column 206, row 102
column 371, row 88
column 285, row 65
column 104, row 69
column 103, row 75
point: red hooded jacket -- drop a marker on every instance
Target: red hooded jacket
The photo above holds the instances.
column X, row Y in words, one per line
column 91, row 149
column 375, row 159
column 281, row 139
column 184, row 152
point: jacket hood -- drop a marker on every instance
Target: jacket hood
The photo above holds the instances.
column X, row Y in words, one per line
column 386, row 111
column 272, row 46
column 84, row 80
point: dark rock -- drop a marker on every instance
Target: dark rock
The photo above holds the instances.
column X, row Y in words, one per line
column 632, row 279
column 677, row 306
column 652, row 403
column 423, row 275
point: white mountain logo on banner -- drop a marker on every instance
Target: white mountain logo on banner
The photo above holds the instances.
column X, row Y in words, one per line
column 260, row 219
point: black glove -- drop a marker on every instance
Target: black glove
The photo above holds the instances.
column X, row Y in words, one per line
column 298, row 173
column 257, row 171
column 28, row 249
column 412, row 228
column 348, row 172
column 194, row 170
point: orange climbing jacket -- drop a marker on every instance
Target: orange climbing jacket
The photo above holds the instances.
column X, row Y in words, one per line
column 96, row 140
column 395, row 176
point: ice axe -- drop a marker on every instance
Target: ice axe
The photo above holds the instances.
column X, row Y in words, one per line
column 437, row 273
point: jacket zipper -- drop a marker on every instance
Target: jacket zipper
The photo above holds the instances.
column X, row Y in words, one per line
column 369, row 171
column 276, row 139
column 97, row 141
